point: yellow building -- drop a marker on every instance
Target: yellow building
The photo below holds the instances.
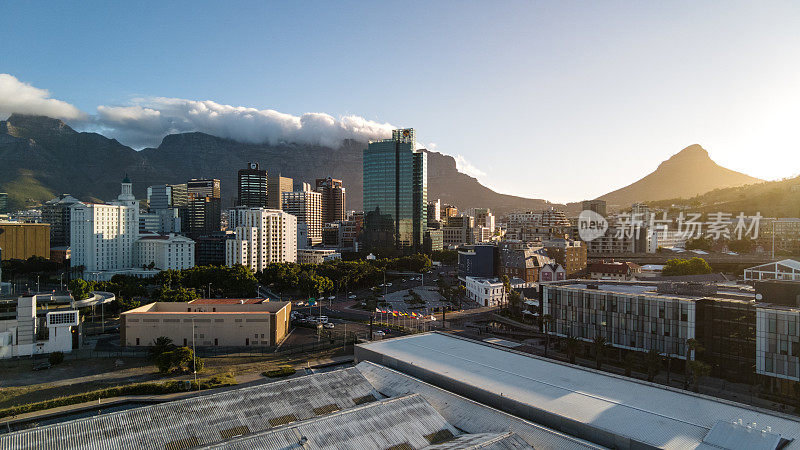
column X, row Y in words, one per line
column 216, row 322
column 22, row 240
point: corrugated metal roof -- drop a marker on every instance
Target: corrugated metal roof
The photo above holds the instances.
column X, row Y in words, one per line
column 629, row 408
column 200, row 420
column 484, row 441
column 379, row 425
column 465, row 414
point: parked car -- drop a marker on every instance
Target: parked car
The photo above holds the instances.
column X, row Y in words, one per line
column 379, row 333
column 41, row 366
column 332, row 297
column 352, row 297
column 328, row 325
column 300, row 303
column 322, row 319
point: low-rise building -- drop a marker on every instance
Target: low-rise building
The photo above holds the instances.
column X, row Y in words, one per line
column 570, row 254
column 490, row 291
column 613, row 270
column 316, row 255
column 522, row 263
column 552, row 272
column 28, row 334
column 164, row 252
column 212, row 322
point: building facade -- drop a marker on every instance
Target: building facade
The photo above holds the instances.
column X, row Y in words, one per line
column 102, row 236
column 572, row 255
column 276, row 186
column 165, row 252
column 316, row 255
column 207, row 323
column 22, row 240
column 56, row 212
column 306, row 205
column 333, row 199
column 209, row 250
column 261, row 236
column 252, row 186
column 395, row 193
column 204, row 206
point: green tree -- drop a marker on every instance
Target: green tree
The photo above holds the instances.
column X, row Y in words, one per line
column 161, row 344
column 179, row 294
column 80, row 289
column 699, row 369
column 653, row 364
column 572, row 346
column 745, row 245
column 56, row 358
column 700, row 243
column 181, row 359
column 599, row 346
column 694, row 266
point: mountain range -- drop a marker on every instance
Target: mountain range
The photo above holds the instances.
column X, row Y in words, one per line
column 41, row 157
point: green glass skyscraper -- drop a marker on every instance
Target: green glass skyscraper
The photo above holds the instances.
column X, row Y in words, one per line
column 395, row 193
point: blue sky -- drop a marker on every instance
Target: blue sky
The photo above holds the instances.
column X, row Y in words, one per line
column 555, row 100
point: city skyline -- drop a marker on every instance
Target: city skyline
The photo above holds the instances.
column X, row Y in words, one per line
column 598, row 84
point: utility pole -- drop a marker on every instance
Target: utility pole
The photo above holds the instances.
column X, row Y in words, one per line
column 773, row 240
column 371, row 319
column 194, row 355
column 209, row 290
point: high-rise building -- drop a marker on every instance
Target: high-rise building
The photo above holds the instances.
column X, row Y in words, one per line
column 262, row 236
column 252, row 186
column 276, row 186
column 204, row 207
column 102, row 236
column 56, row 212
column 209, row 250
column 598, row 206
column 306, row 205
column 395, row 193
column 333, row 199
column 435, row 211
column 447, row 211
column 3, row 202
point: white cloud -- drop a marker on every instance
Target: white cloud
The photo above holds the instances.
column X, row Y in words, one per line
column 466, row 167
column 19, row 97
column 147, row 120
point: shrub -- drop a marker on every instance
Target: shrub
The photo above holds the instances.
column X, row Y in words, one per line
column 56, row 358
column 282, row 371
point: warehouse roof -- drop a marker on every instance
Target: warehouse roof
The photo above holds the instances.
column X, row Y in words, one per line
column 627, row 408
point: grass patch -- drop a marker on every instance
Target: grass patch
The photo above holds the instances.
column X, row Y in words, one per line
column 282, row 371
column 167, row 387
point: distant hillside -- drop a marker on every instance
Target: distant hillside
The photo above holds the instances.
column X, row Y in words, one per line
column 42, row 157
column 771, row 199
column 688, row 173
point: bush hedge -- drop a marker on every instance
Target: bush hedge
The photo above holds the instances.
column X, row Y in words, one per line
column 167, row 387
column 282, row 371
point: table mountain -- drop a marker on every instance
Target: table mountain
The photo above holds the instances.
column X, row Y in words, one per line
column 42, row 157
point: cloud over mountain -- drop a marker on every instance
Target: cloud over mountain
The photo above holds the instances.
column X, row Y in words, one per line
column 147, row 120
column 19, row 97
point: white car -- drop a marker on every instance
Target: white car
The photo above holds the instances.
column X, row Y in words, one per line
column 328, row 325
column 332, row 297
column 352, row 297
column 379, row 333
column 389, row 284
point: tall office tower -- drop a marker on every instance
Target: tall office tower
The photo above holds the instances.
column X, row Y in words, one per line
column 435, row 211
column 252, row 187
column 333, row 199
column 261, row 236
column 204, row 207
column 484, row 218
column 395, row 193
column 180, row 195
column 159, row 196
column 448, row 211
column 306, row 205
column 598, row 206
column 56, row 212
column 102, row 236
column 276, row 186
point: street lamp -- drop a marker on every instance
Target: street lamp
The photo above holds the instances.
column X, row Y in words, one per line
column 209, row 290
column 194, row 355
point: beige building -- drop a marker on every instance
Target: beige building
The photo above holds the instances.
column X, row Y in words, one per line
column 216, row 322
column 22, row 240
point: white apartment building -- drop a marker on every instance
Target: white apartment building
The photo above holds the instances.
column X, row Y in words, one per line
column 18, row 337
column 490, row 291
column 306, row 205
column 662, row 237
column 102, row 236
column 165, row 252
column 262, row 236
column 316, row 256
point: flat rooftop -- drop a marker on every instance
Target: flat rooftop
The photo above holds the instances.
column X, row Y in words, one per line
column 725, row 291
column 628, row 408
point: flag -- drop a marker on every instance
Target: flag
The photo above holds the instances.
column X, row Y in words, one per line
column 394, row 313
column 377, row 310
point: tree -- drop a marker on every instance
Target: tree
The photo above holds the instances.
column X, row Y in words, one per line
column 693, row 347
column 694, row 266
column 80, row 289
column 572, row 345
column 653, row 364
column 179, row 294
column 629, row 362
column 701, row 243
column 546, row 319
column 56, row 358
column 699, row 369
column 744, row 245
column 161, row 344
column 599, row 346
column 181, row 359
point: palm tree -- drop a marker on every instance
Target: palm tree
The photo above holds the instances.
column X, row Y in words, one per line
column 572, row 345
column 692, row 348
column 653, row 363
column 699, row 369
column 546, row 319
column 599, row 344
column 629, row 362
